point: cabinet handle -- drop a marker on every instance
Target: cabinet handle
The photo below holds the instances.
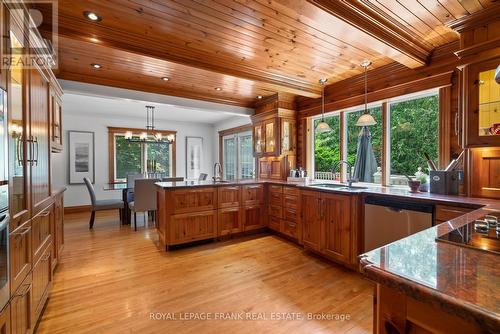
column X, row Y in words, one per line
column 37, row 149
column 19, row 151
column 25, row 230
column 45, row 213
column 457, row 117
column 24, row 292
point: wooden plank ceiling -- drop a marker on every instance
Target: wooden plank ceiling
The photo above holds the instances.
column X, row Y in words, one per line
column 246, row 47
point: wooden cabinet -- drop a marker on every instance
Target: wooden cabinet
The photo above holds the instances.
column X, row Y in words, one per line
column 58, row 235
column 38, row 140
column 484, row 172
column 258, row 140
column 444, row 213
column 252, row 194
column 20, row 254
column 55, row 110
column 274, row 223
column 311, row 218
column 275, row 168
column 189, row 200
column 189, row 227
column 22, row 321
column 5, row 320
column 329, row 224
column 253, row 217
column 337, row 230
column 229, row 220
column 42, row 281
column 40, row 232
column 229, row 196
column 482, row 117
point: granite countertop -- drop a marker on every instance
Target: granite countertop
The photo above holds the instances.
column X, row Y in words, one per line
column 459, row 280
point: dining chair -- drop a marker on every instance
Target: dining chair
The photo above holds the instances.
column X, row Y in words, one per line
column 144, row 198
column 202, row 177
column 101, row 205
column 172, row 179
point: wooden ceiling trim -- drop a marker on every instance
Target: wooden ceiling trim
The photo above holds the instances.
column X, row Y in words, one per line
column 92, row 79
column 380, row 28
column 477, row 19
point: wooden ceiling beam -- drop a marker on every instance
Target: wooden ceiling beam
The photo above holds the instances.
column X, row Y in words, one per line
column 413, row 53
column 72, row 28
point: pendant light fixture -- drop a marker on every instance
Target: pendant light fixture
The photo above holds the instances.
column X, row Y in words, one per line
column 150, row 135
column 366, row 119
column 323, row 126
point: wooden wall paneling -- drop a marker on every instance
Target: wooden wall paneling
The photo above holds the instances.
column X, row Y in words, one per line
column 445, row 126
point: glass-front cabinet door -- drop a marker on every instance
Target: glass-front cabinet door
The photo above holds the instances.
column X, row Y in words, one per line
column 270, row 133
column 287, row 136
column 259, row 139
column 483, row 109
column 17, row 132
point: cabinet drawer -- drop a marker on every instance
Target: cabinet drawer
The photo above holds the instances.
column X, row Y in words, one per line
column 290, row 201
column 275, row 189
column 275, row 211
column 291, row 191
column 193, row 200
column 40, row 232
column 276, row 199
column 229, row 221
column 445, row 213
column 20, row 308
column 289, row 214
column 274, row 223
column 253, row 217
column 42, row 279
column 252, row 194
column 228, row 197
column 193, row 226
column 20, row 254
column 290, row 229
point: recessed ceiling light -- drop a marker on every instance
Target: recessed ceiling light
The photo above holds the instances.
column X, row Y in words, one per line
column 96, row 66
column 165, row 78
column 259, row 97
column 92, row 16
column 218, row 89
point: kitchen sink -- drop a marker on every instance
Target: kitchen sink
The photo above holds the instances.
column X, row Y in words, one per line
column 342, row 187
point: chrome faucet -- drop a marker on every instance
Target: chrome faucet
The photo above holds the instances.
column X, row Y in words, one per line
column 350, row 180
column 217, row 172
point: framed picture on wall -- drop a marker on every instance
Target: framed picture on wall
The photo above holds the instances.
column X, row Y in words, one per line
column 194, row 156
column 81, row 156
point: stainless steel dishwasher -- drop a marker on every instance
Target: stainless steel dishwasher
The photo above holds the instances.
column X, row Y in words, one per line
column 388, row 220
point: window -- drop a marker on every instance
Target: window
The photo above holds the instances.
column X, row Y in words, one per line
column 411, row 129
column 132, row 158
column 414, row 130
column 237, row 156
column 327, row 151
column 353, row 132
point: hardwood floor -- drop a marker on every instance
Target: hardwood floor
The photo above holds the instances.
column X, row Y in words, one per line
column 111, row 279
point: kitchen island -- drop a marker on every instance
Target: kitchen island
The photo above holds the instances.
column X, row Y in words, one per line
column 427, row 285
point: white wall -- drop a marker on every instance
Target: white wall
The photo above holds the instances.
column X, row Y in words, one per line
column 224, row 125
column 97, row 120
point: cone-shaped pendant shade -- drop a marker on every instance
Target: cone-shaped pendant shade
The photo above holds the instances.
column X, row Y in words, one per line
column 323, row 127
column 366, row 120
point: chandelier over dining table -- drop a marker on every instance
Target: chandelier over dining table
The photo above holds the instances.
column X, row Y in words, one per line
column 150, row 135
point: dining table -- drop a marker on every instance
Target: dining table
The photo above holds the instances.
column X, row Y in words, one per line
column 127, row 194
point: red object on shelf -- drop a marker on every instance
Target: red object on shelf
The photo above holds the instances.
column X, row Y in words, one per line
column 495, row 129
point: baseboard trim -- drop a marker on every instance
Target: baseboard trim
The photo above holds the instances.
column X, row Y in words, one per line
column 77, row 209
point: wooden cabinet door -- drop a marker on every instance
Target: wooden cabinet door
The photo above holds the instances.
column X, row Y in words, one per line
column 193, row 226
column 5, row 320
column 20, row 255
column 253, row 217
column 311, row 218
column 274, row 223
column 277, row 171
column 55, row 109
column 59, row 218
column 228, row 196
column 42, row 280
column 264, row 168
column 336, row 233
column 21, row 311
column 229, row 221
column 484, row 172
column 252, row 194
column 19, row 185
column 288, row 141
column 258, row 135
column 190, row 200
column 39, row 140
column 40, row 233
